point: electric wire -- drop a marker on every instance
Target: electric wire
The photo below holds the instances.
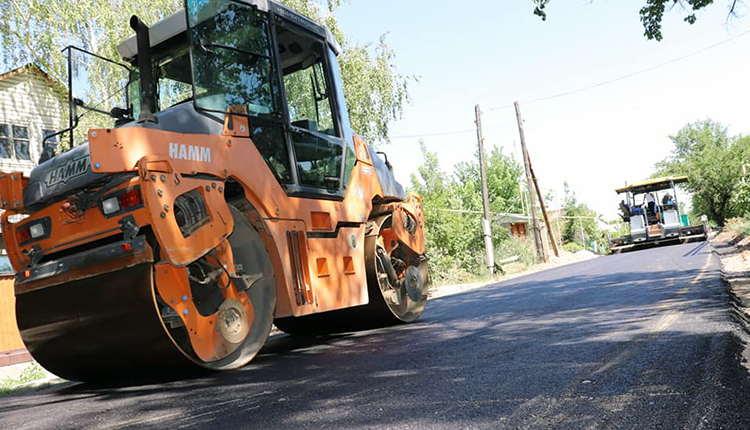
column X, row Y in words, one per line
column 582, row 89
column 630, row 75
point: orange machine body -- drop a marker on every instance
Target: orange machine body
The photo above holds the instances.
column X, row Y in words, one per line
column 173, row 239
column 323, row 271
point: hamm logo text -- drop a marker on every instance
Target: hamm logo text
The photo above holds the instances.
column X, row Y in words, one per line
column 71, row 169
column 180, row 151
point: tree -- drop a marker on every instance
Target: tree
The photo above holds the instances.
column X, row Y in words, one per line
column 451, row 236
column 503, row 176
column 713, row 161
column 653, row 12
column 453, row 213
column 35, row 31
column 580, row 223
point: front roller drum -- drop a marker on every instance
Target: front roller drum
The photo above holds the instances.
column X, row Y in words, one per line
column 102, row 327
column 117, row 324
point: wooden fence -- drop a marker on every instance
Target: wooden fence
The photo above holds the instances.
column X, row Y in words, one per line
column 11, row 346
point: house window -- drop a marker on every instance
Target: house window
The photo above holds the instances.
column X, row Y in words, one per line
column 14, row 142
column 21, row 142
column 53, row 140
column 5, row 147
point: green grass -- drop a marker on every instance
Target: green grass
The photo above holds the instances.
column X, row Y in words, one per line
column 32, row 373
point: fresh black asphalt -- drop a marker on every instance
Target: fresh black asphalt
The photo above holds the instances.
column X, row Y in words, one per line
column 643, row 340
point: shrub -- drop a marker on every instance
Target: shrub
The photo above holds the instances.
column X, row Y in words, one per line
column 737, row 225
column 572, row 247
column 523, row 247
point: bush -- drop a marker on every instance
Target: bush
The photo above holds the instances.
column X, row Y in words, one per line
column 738, row 225
column 31, row 373
column 572, row 247
column 472, row 267
column 523, row 247
column 445, row 269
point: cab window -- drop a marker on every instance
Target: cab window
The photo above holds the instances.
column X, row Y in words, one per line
column 233, row 67
column 315, row 135
column 307, row 98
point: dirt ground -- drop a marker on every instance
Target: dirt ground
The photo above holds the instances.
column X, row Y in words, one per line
column 736, row 259
column 734, row 251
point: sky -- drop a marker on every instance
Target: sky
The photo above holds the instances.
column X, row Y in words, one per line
column 493, row 53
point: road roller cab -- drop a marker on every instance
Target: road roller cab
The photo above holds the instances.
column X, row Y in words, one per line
column 229, row 193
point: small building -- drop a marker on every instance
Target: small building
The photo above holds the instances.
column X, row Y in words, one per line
column 31, row 107
column 516, row 223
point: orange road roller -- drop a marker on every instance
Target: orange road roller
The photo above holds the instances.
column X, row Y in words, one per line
column 228, row 195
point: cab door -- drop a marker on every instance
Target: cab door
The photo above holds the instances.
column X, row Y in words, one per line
column 315, row 131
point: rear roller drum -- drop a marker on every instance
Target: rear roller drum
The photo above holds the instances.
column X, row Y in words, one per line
column 397, row 285
column 397, row 278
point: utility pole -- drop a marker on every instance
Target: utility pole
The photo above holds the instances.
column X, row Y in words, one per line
column 538, row 239
column 485, row 199
column 550, row 233
column 530, row 186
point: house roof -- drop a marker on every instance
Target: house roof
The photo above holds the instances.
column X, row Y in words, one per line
column 35, row 69
column 512, row 218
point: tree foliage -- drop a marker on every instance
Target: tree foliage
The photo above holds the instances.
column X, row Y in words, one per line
column 453, row 213
column 580, row 225
column 375, row 91
column 713, row 162
column 652, row 13
column 35, row 31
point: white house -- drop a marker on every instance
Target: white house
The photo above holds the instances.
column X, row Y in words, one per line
column 31, row 106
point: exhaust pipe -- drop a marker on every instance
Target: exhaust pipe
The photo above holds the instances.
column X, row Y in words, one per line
column 144, row 69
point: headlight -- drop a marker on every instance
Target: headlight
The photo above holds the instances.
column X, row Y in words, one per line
column 33, row 230
column 110, row 206
column 36, row 230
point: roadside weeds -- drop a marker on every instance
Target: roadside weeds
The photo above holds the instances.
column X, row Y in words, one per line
column 25, row 376
column 564, row 259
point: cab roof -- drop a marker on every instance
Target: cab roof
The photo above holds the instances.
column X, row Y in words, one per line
column 652, row 185
column 176, row 23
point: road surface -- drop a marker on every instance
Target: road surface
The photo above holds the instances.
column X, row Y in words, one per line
column 644, row 340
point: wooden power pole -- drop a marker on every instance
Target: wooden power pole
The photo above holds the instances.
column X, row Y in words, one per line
column 533, row 185
column 485, row 199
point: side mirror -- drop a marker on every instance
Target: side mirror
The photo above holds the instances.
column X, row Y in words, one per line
column 387, row 164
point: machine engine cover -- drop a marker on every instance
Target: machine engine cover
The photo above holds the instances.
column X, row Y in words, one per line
column 58, row 176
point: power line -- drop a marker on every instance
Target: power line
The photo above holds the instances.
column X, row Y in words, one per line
column 444, row 133
column 630, row 75
column 579, row 90
column 447, row 133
